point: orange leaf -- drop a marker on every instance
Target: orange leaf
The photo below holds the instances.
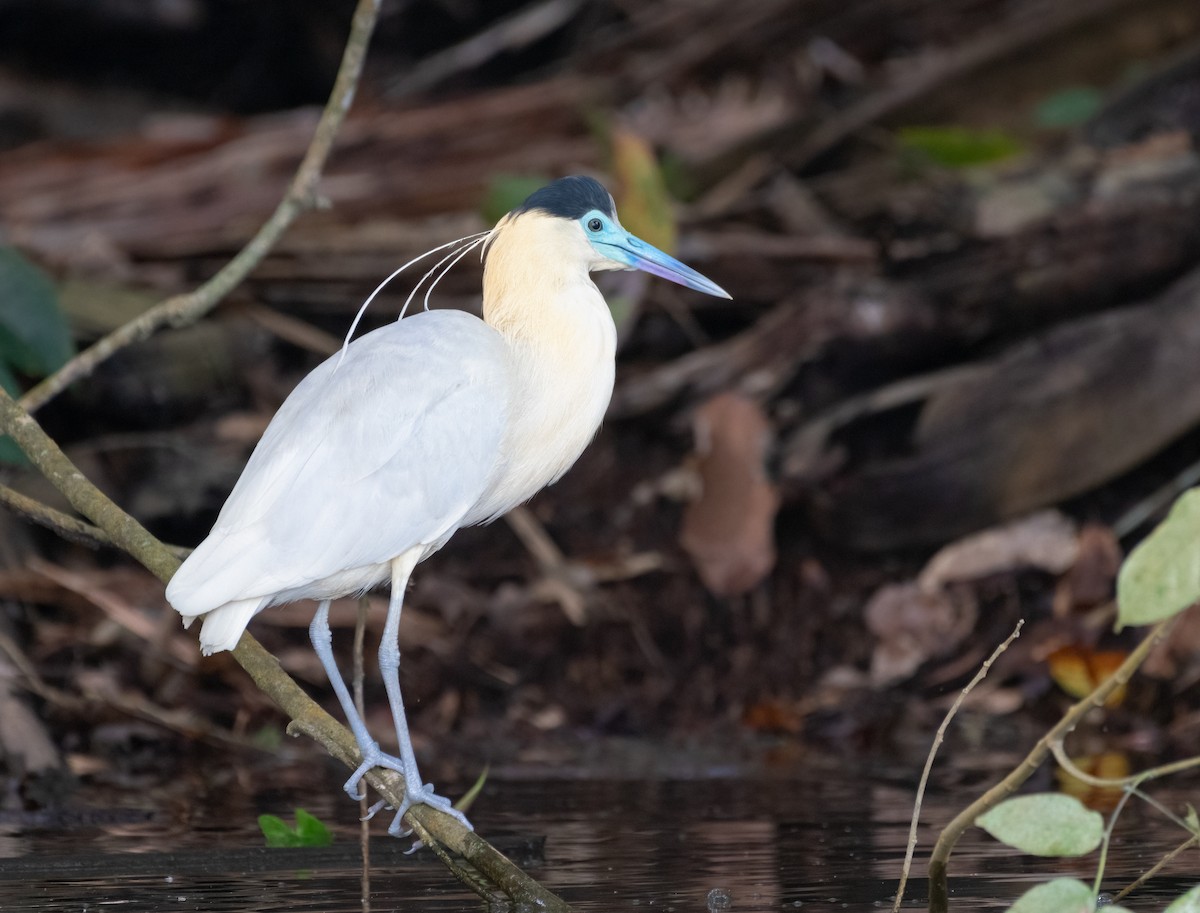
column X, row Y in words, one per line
column 1078, row 670
column 1111, row 765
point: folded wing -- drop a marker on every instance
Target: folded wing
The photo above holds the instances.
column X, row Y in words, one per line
column 365, row 460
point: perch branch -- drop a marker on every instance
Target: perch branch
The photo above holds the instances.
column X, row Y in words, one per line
column 306, row 715
column 180, row 310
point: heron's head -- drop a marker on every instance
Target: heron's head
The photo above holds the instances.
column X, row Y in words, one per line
column 573, row 223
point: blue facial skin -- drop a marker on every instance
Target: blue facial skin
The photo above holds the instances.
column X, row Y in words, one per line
column 615, row 243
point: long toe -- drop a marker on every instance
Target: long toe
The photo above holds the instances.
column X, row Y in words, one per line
column 352, row 785
column 372, row 757
column 424, row 795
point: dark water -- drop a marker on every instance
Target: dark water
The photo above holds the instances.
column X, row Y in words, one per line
column 814, row 838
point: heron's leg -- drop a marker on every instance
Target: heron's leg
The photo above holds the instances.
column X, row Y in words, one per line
column 415, row 791
column 322, row 641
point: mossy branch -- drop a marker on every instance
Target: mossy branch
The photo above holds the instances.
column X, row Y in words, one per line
column 939, row 894
column 307, row 716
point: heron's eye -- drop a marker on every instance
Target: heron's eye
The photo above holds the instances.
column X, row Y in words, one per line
column 595, row 225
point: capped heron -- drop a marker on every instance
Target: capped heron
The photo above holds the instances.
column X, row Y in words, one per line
column 434, row 422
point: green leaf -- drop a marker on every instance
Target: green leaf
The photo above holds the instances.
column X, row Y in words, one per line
column 1063, row 895
column 1068, row 108
column 957, row 147
column 10, row 453
column 645, row 205
column 312, row 830
column 1045, row 824
column 506, row 192
column 1161, row 577
column 468, row 798
column 1192, row 820
column 309, row 831
column 276, row 831
column 34, row 337
column 1188, row 903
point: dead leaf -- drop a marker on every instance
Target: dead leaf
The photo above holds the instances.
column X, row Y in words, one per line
column 773, row 715
column 1046, row 540
column 1092, row 578
column 913, row 625
column 1178, row 654
column 729, row 531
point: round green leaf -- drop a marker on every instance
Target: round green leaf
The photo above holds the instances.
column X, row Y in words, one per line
column 1045, row 824
column 1063, row 895
column 1161, row 577
column 1188, row 903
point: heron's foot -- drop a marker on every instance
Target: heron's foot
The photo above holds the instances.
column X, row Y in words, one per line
column 372, row 757
column 423, row 795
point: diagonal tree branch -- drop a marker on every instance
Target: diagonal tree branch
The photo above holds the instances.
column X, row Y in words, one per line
column 307, row 716
column 180, row 310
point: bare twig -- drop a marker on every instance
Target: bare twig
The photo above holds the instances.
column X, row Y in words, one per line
column 510, row 33
column 939, row 896
column 364, row 807
column 180, row 310
column 1192, row 841
column 136, row 623
column 69, row 528
column 1154, row 773
column 562, row 581
column 933, row 750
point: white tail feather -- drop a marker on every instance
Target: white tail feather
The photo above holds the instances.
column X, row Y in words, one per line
column 223, row 626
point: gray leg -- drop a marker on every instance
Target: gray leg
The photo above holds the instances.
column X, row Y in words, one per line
column 322, row 641
column 415, row 791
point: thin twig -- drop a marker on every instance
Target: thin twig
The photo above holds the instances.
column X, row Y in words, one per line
column 939, row 897
column 933, row 750
column 138, row 708
column 1154, row 773
column 70, row 528
column 1192, row 841
column 364, row 807
column 1106, row 842
column 558, row 582
column 181, row 310
column 509, row 33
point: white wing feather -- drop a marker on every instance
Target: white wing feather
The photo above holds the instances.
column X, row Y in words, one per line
column 386, row 453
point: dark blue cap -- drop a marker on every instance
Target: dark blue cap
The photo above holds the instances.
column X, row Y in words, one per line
column 569, row 198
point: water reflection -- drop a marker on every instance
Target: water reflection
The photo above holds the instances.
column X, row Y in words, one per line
column 817, row 839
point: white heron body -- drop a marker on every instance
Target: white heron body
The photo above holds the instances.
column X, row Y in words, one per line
column 430, row 424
